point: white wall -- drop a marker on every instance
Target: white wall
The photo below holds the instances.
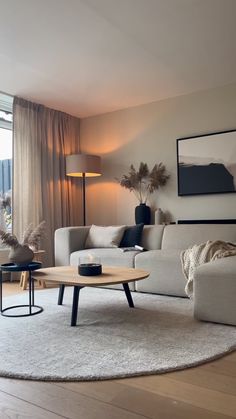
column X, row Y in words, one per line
column 148, row 133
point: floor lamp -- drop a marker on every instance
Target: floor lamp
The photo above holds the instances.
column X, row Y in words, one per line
column 83, row 165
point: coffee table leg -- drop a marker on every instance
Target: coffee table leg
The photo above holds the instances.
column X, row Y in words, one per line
column 128, row 294
column 75, row 305
column 61, row 294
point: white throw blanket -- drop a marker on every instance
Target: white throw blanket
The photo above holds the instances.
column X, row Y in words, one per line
column 203, row 253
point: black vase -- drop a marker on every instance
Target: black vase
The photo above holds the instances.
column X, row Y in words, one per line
column 143, row 214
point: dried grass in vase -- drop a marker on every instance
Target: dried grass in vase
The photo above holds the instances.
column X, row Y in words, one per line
column 143, row 182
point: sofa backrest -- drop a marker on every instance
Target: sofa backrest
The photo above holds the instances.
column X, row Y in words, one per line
column 152, row 237
column 181, row 236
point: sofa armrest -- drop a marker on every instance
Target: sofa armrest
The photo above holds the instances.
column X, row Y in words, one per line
column 68, row 240
column 223, row 267
column 214, row 286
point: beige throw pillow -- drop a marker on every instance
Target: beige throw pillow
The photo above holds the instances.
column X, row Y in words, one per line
column 104, row 236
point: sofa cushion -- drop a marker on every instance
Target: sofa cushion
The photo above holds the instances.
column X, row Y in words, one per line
column 132, row 236
column 100, row 236
column 165, row 269
column 152, row 237
column 182, row 236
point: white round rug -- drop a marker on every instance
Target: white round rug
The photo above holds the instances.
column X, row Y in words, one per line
column 110, row 340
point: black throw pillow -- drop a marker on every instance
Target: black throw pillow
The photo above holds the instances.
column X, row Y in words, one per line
column 132, row 236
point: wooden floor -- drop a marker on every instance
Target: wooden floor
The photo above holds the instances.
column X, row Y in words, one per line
column 204, row 392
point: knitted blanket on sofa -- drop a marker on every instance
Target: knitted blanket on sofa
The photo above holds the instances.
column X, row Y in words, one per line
column 203, row 253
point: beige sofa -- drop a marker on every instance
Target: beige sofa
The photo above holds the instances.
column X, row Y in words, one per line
column 214, row 282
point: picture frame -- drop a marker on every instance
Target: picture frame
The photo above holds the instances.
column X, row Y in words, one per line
column 206, row 164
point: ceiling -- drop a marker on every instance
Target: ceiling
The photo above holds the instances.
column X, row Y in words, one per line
column 87, row 57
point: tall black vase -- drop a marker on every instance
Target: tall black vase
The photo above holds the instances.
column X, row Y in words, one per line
column 143, row 214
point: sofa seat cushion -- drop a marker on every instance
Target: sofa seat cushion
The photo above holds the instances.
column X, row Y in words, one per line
column 165, row 269
column 108, row 257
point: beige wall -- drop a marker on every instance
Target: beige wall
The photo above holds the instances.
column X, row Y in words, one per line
column 148, row 133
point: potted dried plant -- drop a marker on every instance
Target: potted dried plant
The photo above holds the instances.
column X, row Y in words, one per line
column 19, row 253
column 143, row 182
column 23, row 253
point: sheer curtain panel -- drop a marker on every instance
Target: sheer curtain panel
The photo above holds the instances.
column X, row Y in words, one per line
column 41, row 191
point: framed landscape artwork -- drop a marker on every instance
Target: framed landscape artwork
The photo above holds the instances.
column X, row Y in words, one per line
column 207, row 164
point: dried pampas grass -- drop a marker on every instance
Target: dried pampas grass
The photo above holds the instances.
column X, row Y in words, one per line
column 9, row 239
column 33, row 236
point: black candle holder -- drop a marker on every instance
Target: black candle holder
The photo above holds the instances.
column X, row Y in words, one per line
column 90, row 269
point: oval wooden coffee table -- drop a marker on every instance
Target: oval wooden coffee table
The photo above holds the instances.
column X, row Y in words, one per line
column 68, row 276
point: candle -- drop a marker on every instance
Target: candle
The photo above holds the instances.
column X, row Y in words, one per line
column 90, row 269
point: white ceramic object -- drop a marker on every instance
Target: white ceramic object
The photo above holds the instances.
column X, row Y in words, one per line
column 158, row 216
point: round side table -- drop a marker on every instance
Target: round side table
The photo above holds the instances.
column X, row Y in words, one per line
column 12, row 267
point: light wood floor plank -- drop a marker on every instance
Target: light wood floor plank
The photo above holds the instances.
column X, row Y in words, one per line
column 207, row 379
column 62, row 401
column 142, row 402
column 231, row 357
column 222, row 366
column 188, row 393
column 10, row 288
column 14, row 408
column 105, row 391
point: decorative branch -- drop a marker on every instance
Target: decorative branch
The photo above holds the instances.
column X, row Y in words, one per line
column 27, row 233
column 33, row 236
column 144, row 182
column 9, row 239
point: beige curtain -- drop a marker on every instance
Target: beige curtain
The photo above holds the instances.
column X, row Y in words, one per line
column 41, row 191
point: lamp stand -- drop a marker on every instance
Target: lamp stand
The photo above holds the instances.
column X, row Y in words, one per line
column 84, row 199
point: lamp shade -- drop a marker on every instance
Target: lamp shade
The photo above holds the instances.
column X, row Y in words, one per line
column 83, row 164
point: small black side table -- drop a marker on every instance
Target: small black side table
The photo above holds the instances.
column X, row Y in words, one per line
column 12, row 267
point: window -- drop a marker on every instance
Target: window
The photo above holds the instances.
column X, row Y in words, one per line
column 5, row 167
column 5, row 117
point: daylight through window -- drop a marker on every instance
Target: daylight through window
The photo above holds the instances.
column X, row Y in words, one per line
column 5, row 170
